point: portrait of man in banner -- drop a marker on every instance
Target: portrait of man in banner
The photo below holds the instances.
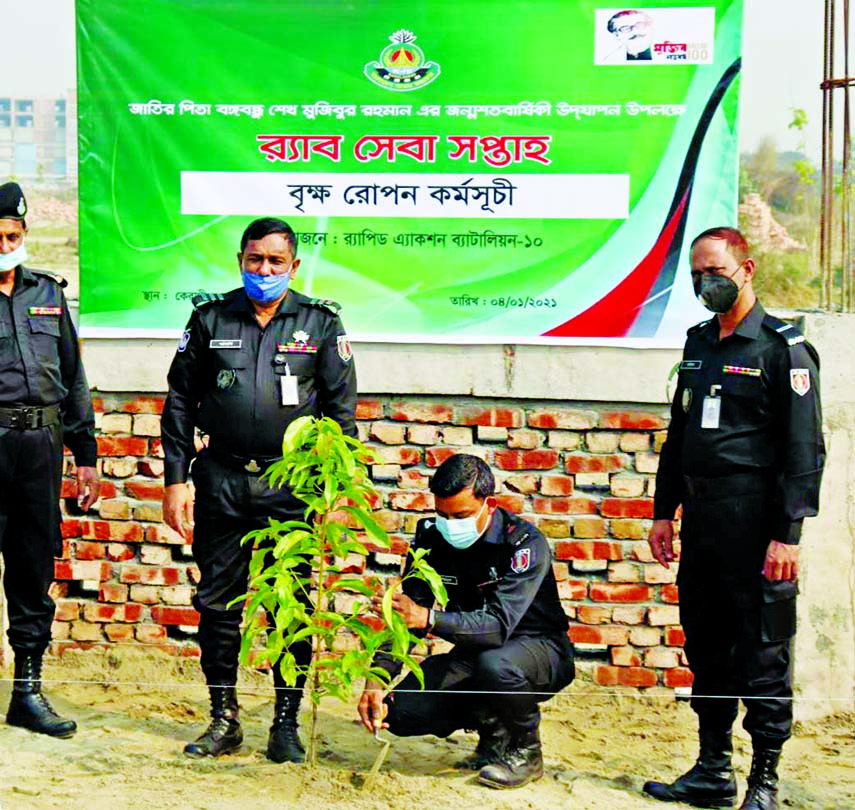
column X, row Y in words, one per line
column 632, row 31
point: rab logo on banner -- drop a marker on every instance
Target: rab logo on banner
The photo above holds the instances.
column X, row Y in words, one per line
column 402, row 65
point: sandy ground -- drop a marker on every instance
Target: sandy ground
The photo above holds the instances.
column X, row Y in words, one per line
column 136, row 711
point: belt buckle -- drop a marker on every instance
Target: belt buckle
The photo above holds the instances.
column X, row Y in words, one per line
column 252, row 466
column 32, row 418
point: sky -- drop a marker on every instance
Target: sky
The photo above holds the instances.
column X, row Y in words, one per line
column 782, row 62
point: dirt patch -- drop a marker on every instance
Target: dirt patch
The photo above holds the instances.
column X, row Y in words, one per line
column 136, row 711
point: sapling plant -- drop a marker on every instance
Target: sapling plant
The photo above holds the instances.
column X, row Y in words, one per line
column 299, row 572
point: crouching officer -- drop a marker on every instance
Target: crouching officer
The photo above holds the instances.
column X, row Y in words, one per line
column 250, row 362
column 504, row 617
column 44, row 403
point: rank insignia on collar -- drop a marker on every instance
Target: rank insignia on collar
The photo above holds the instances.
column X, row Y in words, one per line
column 800, row 380
column 226, row 378
column 344, row 351
column 301, row 337
column 521, row 561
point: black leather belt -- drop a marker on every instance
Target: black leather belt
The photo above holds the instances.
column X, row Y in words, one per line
column 726, row 485
column 254, row 466
column 29, row 418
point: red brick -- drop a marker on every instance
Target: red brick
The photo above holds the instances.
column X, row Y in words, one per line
column 599, row 634
column 589, row 527
column 398, row 455
column 163, row 534
column 413, row 479
column 157, row 448
column 587, row 463
column 67, row 610
column 114, row 530
column 562, row 418
column 491, row 417
column 174, row 615
column 122, row 446
column 526, row 459
column 81, row 569
column 150, row 633
column 593, row 614
column 152, row 468
column 113, row 593
column 606, row 675
column 404, row 411
column 556, row 485
column 388, row 433
column 631, row 420
column 108, row 489
column 119, row 632
column 144, row 490
column 97, row 612
column 145, row 575
column 675, row 637
column 369, row 409
column 525, row 484
column 71, row 528
column 573, row 589
column 625, row 657
column 513, row 503
column 68, row 488
column 587, row 550
column 564, row 506
column 670, row 594
column 84, row 550
column 636, row 676
column 399, row 545
column 677, row 677
column 627, row 507
column 620, row 592
column 434, row 456
column 120, row 552
column 411, row 500
column 143, row 404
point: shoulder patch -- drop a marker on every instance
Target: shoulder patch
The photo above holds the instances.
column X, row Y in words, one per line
column 522, row 560
column 203, row 299
column 52, row 276
column 325, row 303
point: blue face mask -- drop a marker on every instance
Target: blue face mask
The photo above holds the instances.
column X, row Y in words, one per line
column 461, row 532
column 9, row 261
column 265, row 289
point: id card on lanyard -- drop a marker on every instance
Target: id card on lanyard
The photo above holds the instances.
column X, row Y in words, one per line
column 288, row 391
column 711, row 414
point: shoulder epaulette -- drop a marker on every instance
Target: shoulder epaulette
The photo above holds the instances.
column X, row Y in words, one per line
column 786, row 330
column 52, row 276
column 697, row 327
column 203, row 299
column 325, row 303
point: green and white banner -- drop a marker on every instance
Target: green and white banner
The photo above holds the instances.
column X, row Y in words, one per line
column 457, row 170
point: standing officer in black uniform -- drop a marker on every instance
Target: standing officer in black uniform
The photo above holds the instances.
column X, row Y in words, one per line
column 250, row 362
column 744, row 457
column 44, row 402
column 505, row 619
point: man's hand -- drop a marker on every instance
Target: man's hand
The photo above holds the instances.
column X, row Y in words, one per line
column 372, row 709
column 414, row 615
column 88, row 487
column 178, row 509
column 661, row 540
column 782, row 562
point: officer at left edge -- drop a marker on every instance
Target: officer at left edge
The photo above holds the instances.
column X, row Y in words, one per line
column 44, row 403
column 250, row 362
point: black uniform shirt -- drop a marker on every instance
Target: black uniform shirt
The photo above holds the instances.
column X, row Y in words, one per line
column 226, row 376
column 500, row 587
column 40, row 359
column 767, row 378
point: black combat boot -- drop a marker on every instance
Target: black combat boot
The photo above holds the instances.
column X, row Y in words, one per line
column 493, row 738
column 224, row 733
column 763, row 780
column 283, row 744
column 522, row 760
column 29, row 708
column 710, row 782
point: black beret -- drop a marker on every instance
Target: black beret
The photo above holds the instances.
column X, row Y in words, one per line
column 12, row 202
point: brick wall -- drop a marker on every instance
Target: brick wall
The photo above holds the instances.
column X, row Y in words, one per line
column 583, row 474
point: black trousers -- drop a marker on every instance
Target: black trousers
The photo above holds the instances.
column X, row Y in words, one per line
column 460, row 685
column 229, row 503
column 30, row 478
column 739, row 627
